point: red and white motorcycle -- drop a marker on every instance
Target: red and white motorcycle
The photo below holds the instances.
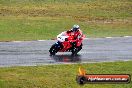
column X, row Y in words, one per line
column 66, row 43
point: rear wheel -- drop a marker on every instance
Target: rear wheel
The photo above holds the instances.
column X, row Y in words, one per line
column 75, row 50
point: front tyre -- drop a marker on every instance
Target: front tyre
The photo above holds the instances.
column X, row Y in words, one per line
column 53, row 50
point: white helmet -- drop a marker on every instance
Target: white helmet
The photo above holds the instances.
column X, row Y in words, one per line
column 75, row 28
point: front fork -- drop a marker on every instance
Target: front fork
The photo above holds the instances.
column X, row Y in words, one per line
column 59, row 45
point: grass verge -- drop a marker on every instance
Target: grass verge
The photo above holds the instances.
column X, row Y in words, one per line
column 44, row 19
column 60, row 76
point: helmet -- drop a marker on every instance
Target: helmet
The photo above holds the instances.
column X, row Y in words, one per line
column 75, row 28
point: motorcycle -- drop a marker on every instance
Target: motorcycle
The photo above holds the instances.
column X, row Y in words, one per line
column 66, row 43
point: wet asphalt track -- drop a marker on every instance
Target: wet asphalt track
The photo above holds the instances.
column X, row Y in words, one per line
column 30, row 53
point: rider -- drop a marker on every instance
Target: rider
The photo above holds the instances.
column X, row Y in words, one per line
column 76, row 33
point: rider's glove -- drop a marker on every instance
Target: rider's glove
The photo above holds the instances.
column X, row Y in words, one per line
column 79, row 36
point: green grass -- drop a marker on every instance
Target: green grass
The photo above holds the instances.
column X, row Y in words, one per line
column 60, row 76
column 44, row 19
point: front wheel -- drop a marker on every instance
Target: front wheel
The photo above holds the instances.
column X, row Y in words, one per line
column 53, row 50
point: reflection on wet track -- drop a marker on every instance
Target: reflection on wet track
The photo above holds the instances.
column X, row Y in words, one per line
column 67, row 58
column 30, row 53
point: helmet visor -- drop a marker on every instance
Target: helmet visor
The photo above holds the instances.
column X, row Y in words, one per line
column 75, row 29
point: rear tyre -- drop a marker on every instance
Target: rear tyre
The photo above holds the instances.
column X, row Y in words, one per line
column 75, row 50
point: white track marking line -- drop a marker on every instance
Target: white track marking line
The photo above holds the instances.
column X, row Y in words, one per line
column 41, row 40
column 17, row 41
column 84, row 39
column 127, row 36
column 109, row 37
